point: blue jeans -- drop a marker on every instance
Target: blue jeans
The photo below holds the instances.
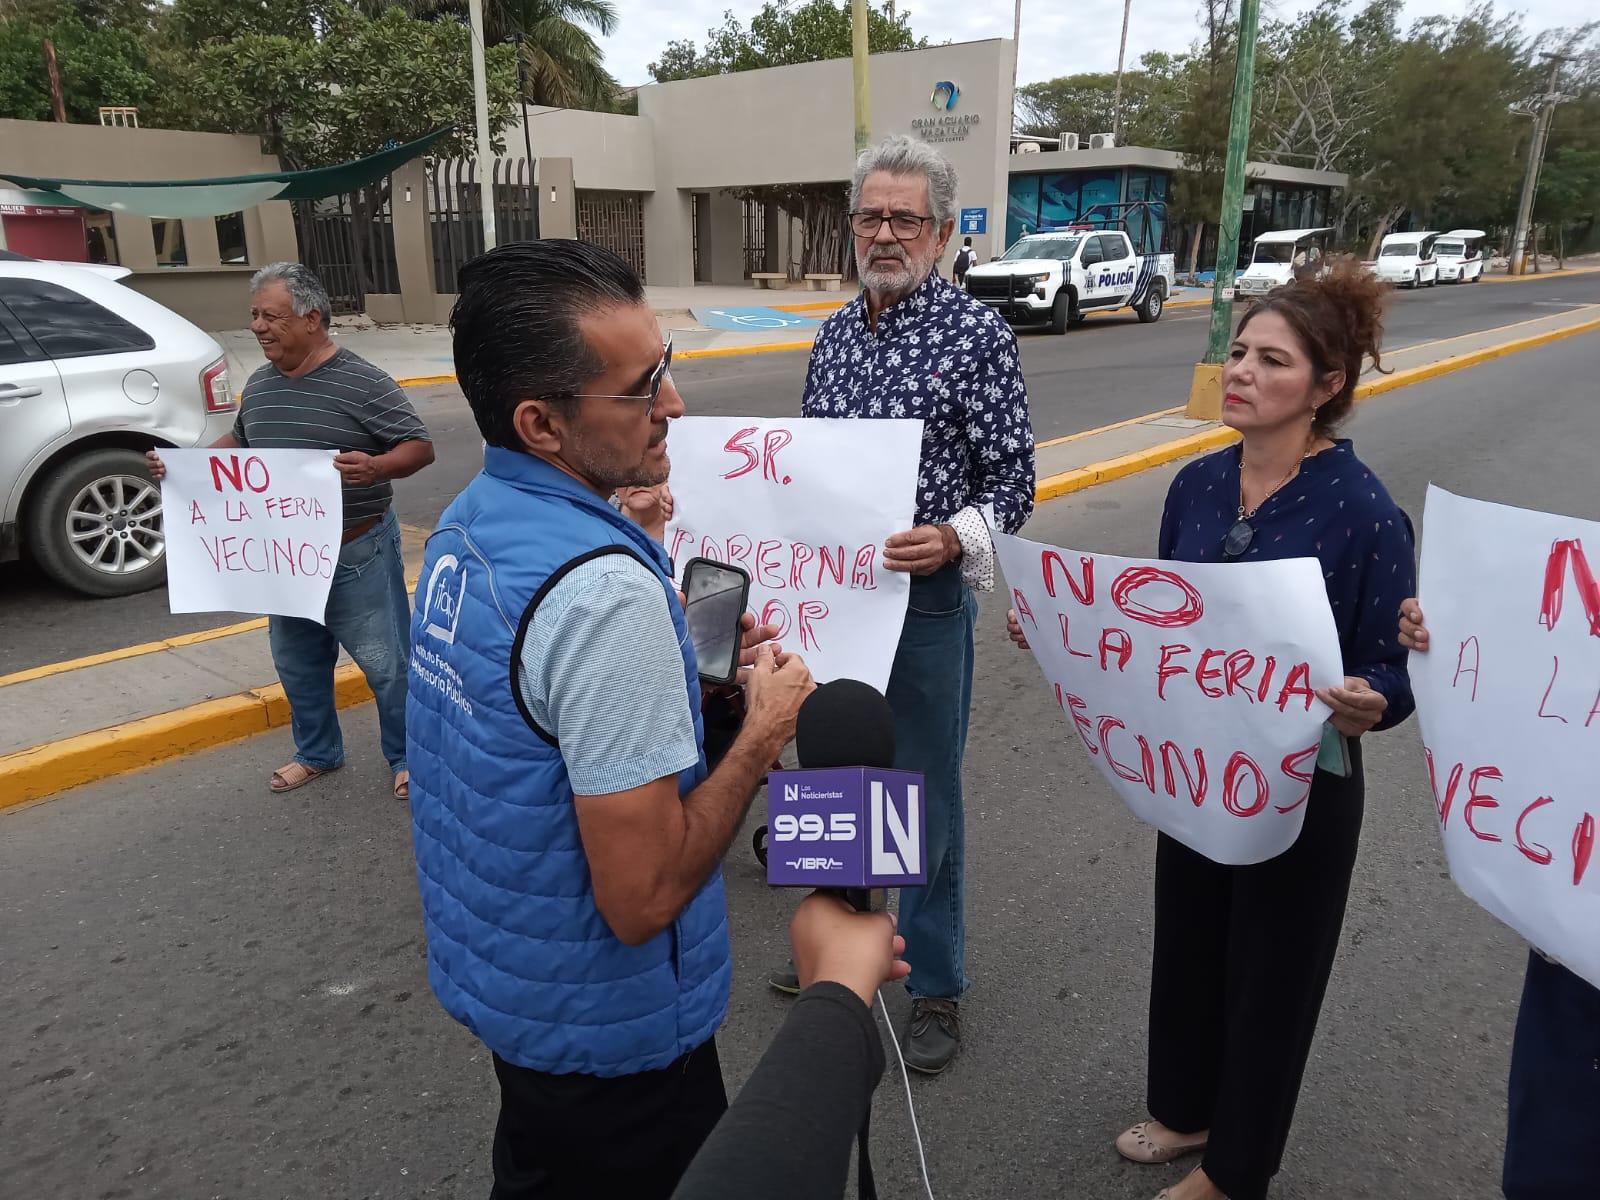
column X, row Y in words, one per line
column 369, row 615
column 1554, row 1109
column 930, row 691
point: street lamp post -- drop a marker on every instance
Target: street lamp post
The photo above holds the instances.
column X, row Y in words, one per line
column 480, row 104
column 1205, row 391
column 858, row 74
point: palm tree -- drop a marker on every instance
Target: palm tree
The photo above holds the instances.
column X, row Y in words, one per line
column 562, row 64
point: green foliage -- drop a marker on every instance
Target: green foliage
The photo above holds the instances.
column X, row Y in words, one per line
column 363, row 83
column 98, row 65
column 1083, row 104
column 781, row 34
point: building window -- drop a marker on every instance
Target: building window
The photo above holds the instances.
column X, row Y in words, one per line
column 1022, row 207
column 230, row 238
column 168, row 234
column 100, row 238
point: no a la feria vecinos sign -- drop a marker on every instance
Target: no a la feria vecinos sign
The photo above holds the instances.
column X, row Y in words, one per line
column 948, row 128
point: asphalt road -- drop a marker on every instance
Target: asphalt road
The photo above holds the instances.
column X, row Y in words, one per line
column 211, row 992
column 1109, row 369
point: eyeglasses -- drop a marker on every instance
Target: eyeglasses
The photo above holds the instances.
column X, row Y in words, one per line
column 657, row 377
column 905, row 226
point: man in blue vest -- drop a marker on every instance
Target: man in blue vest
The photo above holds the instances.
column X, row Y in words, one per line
column 568, row 833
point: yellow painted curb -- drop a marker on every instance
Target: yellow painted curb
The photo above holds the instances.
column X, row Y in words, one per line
column 1563, row 273
column 41, row 771
column 425, row 380
column 813, row 306
column 1079, row 478
column 731, row 351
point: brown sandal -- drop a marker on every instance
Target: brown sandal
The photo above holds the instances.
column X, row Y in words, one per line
column 1136, row 1145
column 292, row 775
column 402, row 785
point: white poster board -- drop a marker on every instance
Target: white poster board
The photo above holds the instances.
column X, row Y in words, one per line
column 255, row 531
column 1508, row 696
column 1191, row 685
column 804, row 505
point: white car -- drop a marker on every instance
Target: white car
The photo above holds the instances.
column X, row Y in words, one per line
column 1460, row 254
column 1056, row 278
column 93, row 374
column 1408, row 260
column 1282, row 255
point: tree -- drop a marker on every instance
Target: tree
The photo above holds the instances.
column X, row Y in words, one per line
column 362, row 84
column 98, row 66
column 564, row 65
column 1083, row 103
column 1202, row 127
column 781, row 34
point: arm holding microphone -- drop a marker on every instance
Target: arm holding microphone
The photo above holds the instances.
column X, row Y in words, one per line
column 650, row 851
column 788, row 1135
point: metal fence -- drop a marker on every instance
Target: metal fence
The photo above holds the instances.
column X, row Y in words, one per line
column 455, row 213
column 614, row 220
column 755, row 237
column 350, row 258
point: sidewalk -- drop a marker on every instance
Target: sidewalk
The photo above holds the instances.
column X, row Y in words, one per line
column 420, row 354
column 70, row 723
column 417, row 355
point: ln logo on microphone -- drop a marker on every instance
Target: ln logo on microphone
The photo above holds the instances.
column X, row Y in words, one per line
column 817, row 820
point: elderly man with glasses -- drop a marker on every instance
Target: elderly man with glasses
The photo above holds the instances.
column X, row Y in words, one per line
column 568, row 833
column 914, row 345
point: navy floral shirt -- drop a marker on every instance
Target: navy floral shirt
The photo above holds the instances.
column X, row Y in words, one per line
column 1336, row 511
column 945, row 357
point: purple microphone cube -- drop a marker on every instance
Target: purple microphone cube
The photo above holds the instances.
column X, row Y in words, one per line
column 846, row 827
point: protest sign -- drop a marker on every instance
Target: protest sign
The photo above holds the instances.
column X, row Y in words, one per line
column 804, row 505
column 254, row 531
column 1508, row 696
column 1191, row 685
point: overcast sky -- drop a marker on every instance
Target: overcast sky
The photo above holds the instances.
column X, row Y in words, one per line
column 1057, row 38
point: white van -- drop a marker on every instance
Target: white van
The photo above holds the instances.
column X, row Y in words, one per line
column 1408, row 259
column 1460, row 254
column 1282, row 255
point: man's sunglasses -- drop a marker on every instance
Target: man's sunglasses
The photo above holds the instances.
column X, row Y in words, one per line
column 653, row 388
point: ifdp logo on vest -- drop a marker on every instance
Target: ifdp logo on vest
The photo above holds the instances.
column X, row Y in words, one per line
column 441, row 602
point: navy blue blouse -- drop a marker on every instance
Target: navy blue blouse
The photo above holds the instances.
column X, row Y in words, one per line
column 1336, row 511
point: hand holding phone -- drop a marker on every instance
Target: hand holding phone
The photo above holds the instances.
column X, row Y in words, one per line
column 714, row 599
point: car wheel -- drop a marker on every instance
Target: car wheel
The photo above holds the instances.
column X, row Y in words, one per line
column 1416, row 280
column 1150, row 308
column 96, row 525
column 1061, row 312
column 1434, row 282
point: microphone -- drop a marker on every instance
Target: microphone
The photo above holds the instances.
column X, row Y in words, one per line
column 846, row 819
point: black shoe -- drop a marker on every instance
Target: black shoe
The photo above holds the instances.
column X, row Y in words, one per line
column 785, row 981
column 934, row 1035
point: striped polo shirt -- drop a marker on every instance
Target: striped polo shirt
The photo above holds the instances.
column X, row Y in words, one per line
column 345, row 404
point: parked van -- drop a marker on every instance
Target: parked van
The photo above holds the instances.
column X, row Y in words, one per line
column 1282, row 255
column 1460, row 254
column 1408, row 259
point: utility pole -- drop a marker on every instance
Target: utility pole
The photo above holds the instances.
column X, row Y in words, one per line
column 1205, row 392
column 1530, row 178
column 480, row 104
column 1122, row 56
column 858, row 72
column 52, row 71
column 1016, row 53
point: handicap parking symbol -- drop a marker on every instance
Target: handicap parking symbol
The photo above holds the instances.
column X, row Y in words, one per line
column 751, row 320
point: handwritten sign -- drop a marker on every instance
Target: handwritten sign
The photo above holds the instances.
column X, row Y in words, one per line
column 253, row 531
column 1191, row 685
column 1508, row 696
column 804, row 505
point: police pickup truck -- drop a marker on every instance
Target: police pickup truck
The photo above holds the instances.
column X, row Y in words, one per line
column 1059, row 276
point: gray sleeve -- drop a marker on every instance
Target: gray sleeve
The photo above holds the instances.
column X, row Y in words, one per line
column 601, row 671
column 387, row 413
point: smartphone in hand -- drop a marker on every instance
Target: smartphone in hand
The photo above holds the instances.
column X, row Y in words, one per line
column 715, row 595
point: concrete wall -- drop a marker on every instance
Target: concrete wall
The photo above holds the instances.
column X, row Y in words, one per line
column 608, row 150
column 206, row 292
column 796, row 125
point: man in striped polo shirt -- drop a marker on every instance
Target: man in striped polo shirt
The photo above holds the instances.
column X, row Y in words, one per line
column 315, row 395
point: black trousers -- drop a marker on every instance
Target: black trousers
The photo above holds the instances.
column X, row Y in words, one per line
column 1242, row 957
column 1552, row 1152
column 581, row 1137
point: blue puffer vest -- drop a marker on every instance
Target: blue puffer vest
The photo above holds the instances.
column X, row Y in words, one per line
column 517, row 950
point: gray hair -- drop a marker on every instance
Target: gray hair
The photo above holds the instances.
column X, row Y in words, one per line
column 906, row 155
column 305, row 289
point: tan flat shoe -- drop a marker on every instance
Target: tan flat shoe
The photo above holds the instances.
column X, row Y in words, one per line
column 293, row 775
column 1136, row 1145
